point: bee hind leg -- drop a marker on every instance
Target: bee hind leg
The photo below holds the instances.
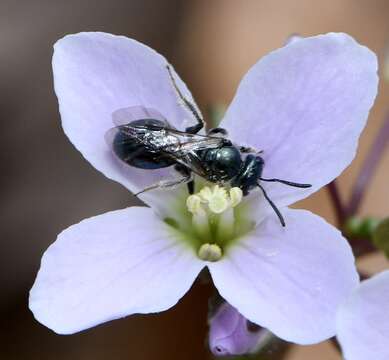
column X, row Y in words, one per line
column 192, row 108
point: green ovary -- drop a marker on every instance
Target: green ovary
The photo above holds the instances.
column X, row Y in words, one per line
column 211, row 220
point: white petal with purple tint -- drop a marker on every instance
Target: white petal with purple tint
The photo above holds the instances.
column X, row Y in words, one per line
column 363, row 321
column 111, row 266
column 97, row 74
column 305, row 106
column 289, row 280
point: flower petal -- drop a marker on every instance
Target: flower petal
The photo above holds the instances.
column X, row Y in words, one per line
column 110, row 266
column 363, row 320
column 289, row 280
column 97, row 74
column 305, row 106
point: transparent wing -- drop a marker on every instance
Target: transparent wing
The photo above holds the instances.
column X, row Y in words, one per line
column 110, row 136
column 125, row 115
column 169, row 141
column 191, row 142
column 186, row 152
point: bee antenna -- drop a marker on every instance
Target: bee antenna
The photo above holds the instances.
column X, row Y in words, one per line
column 274, row 207
column 289, row 183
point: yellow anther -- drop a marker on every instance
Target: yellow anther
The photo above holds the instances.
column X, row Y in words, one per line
column 205, row 193
column 193, row 203
column 217, row 190
column 236, row 195
column 218, row 203
column 210, row 252
column 217, row 199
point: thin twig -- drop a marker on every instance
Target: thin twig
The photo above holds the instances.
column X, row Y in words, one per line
column 337, row 203
column 360, row 246
column 368, row 168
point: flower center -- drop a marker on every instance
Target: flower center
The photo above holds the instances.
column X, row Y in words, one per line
column 212, row 220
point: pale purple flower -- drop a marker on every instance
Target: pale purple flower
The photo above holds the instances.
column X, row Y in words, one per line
column 230, row 333
column 304, row 105
column 363, row 320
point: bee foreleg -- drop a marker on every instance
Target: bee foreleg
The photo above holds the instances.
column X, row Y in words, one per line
column 166, row 184
column 249, row 150
column 184, row 171
column 219, row 132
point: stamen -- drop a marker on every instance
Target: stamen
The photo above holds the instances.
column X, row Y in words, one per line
column 218, row 199
column 218, row 203
column 193, row 203
column 226, row 225
column 199, row 215
column 205, row 193
column 210, row 252
column 236, row 195
column 200, row 223
column 213, row 219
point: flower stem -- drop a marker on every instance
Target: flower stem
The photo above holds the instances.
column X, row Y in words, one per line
column 340, row 210
column 368, row 168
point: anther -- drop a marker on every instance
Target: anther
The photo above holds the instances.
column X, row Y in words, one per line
column 210, row 252
column 218, row 203
column 193, row 203
column 236, row 195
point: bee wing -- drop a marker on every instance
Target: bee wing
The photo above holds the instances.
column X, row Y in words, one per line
column 122, row 117
column 128, row 130
column 178, row 145
column 110, row 136
column 126, row 115
column 194, row 142
column 185, row 153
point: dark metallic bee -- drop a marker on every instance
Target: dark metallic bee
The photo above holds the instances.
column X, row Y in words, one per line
column 149, row 142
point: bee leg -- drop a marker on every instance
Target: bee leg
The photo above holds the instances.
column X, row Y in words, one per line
column 274, row 207
column 166, row 184
column 220, row 132
column 289, row 183
column 183, row 170
column 247, row 150
column 189, row 106
column 191, row 187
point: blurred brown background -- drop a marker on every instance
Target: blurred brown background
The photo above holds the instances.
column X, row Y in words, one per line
column 47, row 186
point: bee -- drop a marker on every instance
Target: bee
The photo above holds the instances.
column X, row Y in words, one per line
column 146, row 140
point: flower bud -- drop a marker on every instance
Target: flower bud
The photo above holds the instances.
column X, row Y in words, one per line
column 231, row 333
column 360, row 228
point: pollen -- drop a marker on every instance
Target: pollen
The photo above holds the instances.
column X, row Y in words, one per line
column 210, row 252
column 193, row 203
column 212, row 220
column 215, row 200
